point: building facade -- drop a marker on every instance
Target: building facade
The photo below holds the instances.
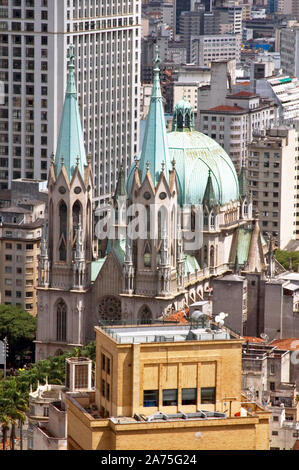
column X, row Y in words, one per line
column 21, row 228
column 186, row 391
column 160, row 271
column 272, row 169
column 35, row 37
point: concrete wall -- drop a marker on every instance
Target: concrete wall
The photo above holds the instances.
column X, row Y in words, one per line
column 228, row 298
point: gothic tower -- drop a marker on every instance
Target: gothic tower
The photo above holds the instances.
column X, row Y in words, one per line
column 153, row 264
column 66, row 254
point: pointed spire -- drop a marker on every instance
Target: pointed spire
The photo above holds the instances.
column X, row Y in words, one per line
column 121, row 184
column 71, row 140
column 243, row 183
column 155, row 145
column 71, row 85
column 209, row 198
column 44, row 241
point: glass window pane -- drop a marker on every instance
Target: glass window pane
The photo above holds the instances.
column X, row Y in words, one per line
column 189, row 396
column 208, row 395
column 170, row 397
column 150, row 398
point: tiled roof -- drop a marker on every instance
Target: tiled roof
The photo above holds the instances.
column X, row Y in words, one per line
column 253, row 339
column 288, row 343
column 179, row 317
column 242, row 94
column 229, row 109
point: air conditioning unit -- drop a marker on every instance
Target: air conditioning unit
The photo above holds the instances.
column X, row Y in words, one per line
column 78, row 375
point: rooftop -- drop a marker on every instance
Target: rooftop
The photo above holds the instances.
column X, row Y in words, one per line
column 167, row 333
column 228, row 109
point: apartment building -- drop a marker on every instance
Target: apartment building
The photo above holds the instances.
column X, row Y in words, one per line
column 210, row 48
column 271, row 176
column 35, row 37
column 232, row 118
column 166, row 386
column 289, row 50
column 21, row 224
column 266, row 377
column 284, row 91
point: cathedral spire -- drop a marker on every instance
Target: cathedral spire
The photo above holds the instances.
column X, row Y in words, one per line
column 71, row 141
column 209, row 198
column 155, row 145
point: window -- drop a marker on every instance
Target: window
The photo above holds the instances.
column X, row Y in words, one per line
column 103, row 362
column 208, row 395
column 272, row 386
column 274, row 433
column 189, row 396
column 46, row 411
column 170, row 397
column 150, row 398
column 61, row 321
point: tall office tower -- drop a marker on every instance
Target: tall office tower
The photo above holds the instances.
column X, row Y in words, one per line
column 181, row 5
column 35, row 36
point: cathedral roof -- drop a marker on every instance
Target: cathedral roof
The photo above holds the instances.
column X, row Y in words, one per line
column 196, row 155
column 70, row 147
column 155, row 148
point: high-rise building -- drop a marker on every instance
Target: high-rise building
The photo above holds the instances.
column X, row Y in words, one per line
column 289, row 50
column 35, row 36
column 272, row 176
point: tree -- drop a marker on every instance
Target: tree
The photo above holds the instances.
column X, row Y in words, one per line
column 19, row 327
column 284, row 257
column 17, row 398
column 14, row 390
column 4, row 419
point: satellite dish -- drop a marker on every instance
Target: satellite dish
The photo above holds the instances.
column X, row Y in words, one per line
column 220, row 318
column 264, row 336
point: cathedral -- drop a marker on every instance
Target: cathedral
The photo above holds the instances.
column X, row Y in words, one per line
column 125, row 279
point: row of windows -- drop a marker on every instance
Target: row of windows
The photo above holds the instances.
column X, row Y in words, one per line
column 170, row 397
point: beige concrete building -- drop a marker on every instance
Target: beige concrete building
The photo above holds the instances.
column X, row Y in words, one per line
column 22, row 219
column 187, row 90
column 272, row 162
column 167, row 387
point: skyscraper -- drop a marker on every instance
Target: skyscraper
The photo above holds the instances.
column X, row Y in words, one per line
column 35, row 36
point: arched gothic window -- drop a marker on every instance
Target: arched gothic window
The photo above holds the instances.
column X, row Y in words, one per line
column 76, row 218
column 212, row 256
column 212, row 220
column 63, row 231
column 147, row 256
column 145, row 316
column 206, row 219
column 61, row 321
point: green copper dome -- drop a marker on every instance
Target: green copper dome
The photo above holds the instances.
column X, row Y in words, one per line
column 196, row 156
column 199, row 160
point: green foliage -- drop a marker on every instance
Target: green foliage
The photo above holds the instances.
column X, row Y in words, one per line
column 19, row 327
column 12, row 389
column 283, row 257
